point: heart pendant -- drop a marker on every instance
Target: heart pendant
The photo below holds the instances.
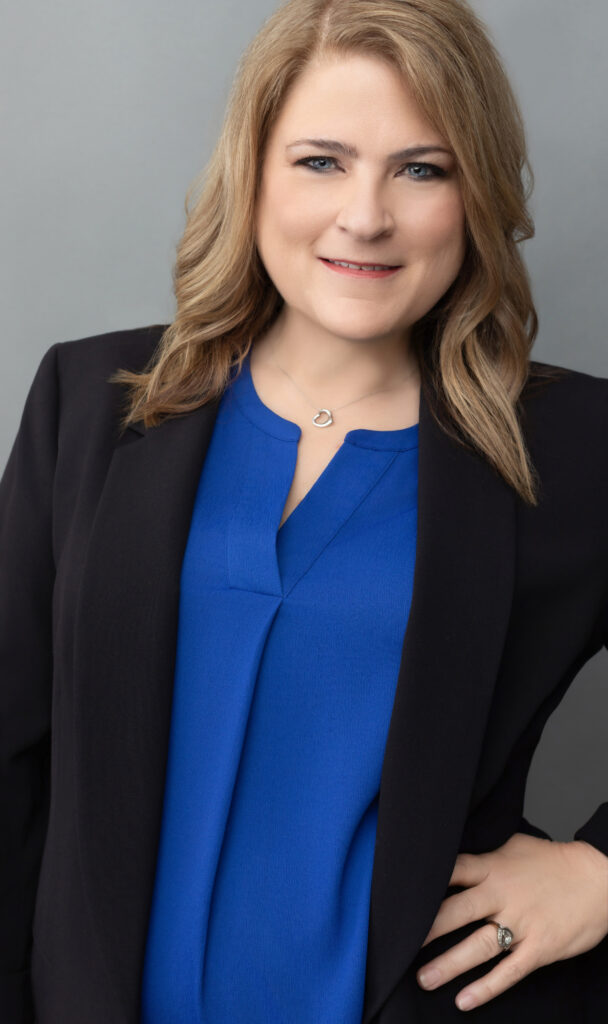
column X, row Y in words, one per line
column 327, row 422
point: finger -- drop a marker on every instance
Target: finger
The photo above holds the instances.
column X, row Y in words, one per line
column 511, row 969
column 476, row 949
column 461, row 909
column 470, row 869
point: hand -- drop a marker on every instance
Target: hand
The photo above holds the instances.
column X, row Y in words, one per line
column 552, row 895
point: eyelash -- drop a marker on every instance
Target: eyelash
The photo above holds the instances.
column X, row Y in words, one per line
column 437, row 172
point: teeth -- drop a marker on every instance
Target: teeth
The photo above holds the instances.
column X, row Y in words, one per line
column 359, row 266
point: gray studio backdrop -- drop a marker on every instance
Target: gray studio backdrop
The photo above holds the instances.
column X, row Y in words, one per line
column 111, row 108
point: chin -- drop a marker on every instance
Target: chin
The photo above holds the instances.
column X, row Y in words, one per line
column 358, row 335
column 357, row 327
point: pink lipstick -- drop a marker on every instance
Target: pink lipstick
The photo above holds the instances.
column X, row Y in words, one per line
column 353, row 271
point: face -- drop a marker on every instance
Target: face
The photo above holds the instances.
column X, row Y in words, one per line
column 374, row 204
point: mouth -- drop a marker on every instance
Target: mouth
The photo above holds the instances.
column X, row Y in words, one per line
column 362, row 271
column 349, row 264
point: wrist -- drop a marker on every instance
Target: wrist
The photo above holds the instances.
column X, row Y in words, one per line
column 594, row 855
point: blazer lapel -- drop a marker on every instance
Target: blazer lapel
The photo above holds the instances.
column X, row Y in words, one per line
column 462, row 592
column 124, row 660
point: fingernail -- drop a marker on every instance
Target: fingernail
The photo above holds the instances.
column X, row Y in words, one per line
column 465, row 1002
column 429, row 978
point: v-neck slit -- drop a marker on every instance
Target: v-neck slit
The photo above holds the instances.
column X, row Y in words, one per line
column 266, row 557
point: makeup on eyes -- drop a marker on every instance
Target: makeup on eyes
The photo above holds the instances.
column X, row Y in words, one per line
column 410, row 155
column 436, row 171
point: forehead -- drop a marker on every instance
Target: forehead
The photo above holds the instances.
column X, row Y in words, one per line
column 355, row 95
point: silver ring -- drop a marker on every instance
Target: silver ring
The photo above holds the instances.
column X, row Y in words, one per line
column 504, row 936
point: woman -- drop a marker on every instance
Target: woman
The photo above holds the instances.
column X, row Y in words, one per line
column 283, row 620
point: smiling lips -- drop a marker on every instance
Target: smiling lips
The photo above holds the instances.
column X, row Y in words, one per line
column 359, row 269
column 358, row 266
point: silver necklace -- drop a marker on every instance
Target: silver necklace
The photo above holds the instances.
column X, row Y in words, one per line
column 327, row 412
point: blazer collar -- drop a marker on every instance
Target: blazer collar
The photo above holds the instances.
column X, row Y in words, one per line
column 124, row 660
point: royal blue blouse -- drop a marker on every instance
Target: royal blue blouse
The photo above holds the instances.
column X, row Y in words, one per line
column 288, row 652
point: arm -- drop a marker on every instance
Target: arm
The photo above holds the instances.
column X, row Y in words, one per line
column 27, row 574
column 595, row 830
column 593, row 835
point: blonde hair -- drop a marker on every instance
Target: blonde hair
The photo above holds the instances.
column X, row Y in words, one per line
column 473, row 347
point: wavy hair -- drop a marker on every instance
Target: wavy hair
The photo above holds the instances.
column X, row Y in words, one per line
column 473, row 347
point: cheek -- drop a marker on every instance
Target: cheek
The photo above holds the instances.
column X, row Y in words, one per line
column 287, row 216
column 436, row 229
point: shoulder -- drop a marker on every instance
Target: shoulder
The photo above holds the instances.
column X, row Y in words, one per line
column 72, row 395
column 555, row 382
column 564, row 404
column 564, row 418
column 84, row 367
column 103, row 354
column 72, row 378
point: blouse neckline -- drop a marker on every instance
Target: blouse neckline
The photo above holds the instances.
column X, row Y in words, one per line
column 271, row 423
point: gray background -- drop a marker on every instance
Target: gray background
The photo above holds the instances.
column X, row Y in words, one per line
column 110, row 110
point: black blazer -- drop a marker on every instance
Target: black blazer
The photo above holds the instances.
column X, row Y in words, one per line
column 508, row 603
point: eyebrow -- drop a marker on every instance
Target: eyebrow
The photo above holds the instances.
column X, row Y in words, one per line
column 340, row 147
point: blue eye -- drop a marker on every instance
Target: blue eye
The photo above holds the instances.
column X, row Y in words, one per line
column 429, row 171
column 422, row 171
column 307, row 162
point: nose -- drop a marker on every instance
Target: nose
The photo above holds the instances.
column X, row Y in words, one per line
column 364, row 212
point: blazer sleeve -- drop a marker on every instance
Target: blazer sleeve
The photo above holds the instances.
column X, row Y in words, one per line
column 595, row 830
column 27, row 573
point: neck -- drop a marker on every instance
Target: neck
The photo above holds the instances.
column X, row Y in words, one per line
column 336, row 368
